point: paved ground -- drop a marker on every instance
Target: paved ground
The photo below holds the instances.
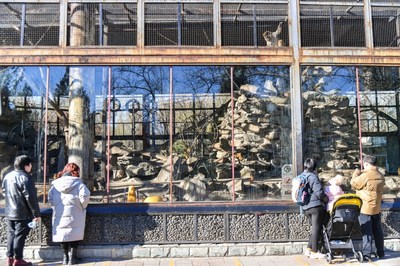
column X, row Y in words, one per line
column 392, row 259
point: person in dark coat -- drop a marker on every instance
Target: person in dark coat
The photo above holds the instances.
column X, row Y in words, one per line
column 21, row 207
column 315, row 209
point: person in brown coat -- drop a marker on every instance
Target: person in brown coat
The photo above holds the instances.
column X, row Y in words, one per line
column 369, row 185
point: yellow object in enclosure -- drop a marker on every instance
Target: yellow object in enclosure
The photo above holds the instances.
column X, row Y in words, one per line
column 131, row 194
column 153, row 199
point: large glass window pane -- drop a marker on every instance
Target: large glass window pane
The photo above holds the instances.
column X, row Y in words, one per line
column 330, row 120
column 139, row 131
column 262, row 132
column 379, row 105
column 57, row 120
column 22, row 91
column 254, row 24
column 75, row 103
column 199, row 106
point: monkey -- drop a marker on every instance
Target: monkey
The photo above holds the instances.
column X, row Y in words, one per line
column 272, row 38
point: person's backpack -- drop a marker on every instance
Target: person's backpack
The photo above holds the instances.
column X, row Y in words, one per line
column 301, row 192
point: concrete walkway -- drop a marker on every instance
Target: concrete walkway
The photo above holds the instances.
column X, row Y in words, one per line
column 392, row 259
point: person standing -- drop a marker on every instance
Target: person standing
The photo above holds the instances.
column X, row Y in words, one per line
column 68, row 197
column 21, row 206
column 315, row 209
column 369, row 185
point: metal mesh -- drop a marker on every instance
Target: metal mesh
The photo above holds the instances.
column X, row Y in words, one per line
column 335, row 1
column 102, row 24
column 385, row 20
column 335, row 26
column 385, row 1
column 10, row 27
column 179, row 24
column 254, row 25
column 119, row 24
column 41, row 24
column 83, row 25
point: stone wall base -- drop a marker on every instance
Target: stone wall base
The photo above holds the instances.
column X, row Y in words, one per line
column 178, row 250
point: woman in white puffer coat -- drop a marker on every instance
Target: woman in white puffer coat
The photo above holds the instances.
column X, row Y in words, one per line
column 69, row 198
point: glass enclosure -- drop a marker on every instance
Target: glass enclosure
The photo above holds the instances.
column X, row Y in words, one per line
column 22, row 118
column 228, row 128
column 135, row 97
column 350, row 111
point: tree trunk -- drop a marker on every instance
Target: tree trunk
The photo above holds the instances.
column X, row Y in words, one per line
column 80, row 142
column 80, row 137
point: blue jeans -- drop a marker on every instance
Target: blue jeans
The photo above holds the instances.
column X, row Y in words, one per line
column 17, row 231
column 371, row 226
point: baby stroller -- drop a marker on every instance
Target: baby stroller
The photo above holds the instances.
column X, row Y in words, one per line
column 343, row 217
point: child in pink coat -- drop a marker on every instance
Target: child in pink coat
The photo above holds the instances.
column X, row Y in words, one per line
column 333, row 190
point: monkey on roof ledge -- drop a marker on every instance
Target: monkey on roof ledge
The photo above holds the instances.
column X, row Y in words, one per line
column 272, row 38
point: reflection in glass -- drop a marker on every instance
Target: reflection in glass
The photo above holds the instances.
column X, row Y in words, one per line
column 330, row 120
column 57, row 120
column 22, row 110
column 139, row 130
column 380, row 115
column 221, row 141
column 75, row 104
column 198, row 107
column 262, row 132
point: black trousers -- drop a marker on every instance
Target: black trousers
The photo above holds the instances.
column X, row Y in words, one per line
column 17, row 231
column 68, row 245
column 316, row 216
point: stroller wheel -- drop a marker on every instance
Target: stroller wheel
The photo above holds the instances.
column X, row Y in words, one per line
column 359, row 256
column 328, row 257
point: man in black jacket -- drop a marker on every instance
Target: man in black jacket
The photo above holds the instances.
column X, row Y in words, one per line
column 21, row 206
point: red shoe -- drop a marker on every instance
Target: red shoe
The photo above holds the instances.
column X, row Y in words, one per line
column 21, row 262
column 10, row 261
